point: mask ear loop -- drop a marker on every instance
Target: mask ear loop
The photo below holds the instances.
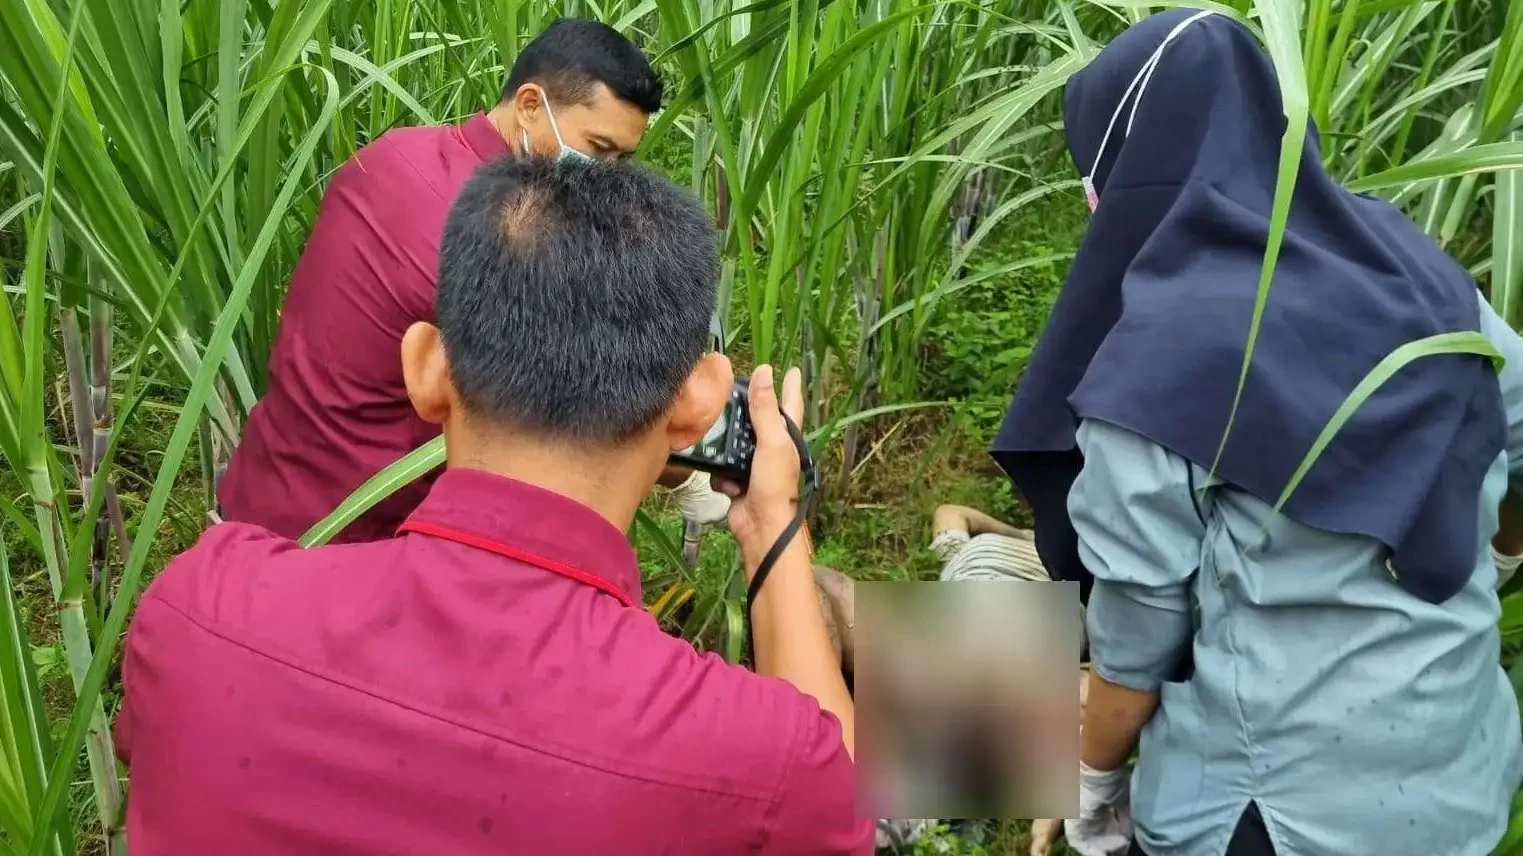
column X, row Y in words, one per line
column 1140, row 84
column 1152, row 65
column 550, row 114
column 555, row 127
column 1089, row 178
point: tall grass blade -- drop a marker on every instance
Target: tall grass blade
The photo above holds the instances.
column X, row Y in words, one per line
column 1507, row 243
column 1281, row 31
column 397, row 475
column 1473, row 160
column 1443, row 343
column 25, row 740
column 174, row 454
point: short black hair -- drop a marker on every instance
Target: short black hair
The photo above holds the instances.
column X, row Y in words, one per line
column 572, row 56
column 574, row 298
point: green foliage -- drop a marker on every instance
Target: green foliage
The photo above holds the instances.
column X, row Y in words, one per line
column 888, row 175
column 939, row 841
column 975, row 350
column 979, row 345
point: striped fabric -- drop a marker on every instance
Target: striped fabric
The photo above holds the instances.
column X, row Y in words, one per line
column 989, row 556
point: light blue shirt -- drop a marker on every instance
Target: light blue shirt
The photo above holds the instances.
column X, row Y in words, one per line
column 1361, row 719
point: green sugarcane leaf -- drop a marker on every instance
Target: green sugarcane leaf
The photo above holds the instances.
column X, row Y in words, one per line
column 1443, row 343
column 1281, row 28
column 670, row 552
column 1507, row 244
column 1475, row 159
column 397, row 475
column 735, row 632
column 49, row 808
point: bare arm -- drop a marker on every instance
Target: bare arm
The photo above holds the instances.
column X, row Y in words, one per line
column 1113, row 719
column 1140, row 535
column 792, row 641
column 787, row 624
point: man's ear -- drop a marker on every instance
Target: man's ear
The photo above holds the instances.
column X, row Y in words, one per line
column 528, row 100
column 426, row 373
column 700, row 401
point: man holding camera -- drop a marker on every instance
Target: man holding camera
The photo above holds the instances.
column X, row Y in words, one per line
column 487, row 681
column 336, row 412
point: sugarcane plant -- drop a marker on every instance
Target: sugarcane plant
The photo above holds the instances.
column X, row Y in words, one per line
column 162, row 160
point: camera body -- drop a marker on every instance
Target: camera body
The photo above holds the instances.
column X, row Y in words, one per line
column 728, row 447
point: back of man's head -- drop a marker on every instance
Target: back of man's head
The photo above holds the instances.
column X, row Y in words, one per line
column 574, row 299
column 572, row 56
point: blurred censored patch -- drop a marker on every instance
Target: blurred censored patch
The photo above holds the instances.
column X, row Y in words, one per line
column 967, row 699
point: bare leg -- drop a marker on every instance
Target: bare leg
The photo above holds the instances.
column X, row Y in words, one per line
column 838, row 602
column 972, row 521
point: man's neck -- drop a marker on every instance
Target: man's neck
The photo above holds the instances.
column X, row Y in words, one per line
column 505, row 120
column 611, row 483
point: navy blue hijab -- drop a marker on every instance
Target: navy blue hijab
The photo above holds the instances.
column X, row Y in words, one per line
column 1148, row 333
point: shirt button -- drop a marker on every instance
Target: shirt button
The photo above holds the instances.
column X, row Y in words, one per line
column 1391, row 569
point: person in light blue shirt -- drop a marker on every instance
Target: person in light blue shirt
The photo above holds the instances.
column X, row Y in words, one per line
column 1357, row 718
column 1306, row 660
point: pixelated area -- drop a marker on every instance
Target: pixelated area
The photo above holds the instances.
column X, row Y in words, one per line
column 967, row 699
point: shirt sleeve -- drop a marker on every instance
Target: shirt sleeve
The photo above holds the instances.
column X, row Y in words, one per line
column 815, row 813
column 159, row 634
column 1510, row 344
column 125, row 731
column 147, row 636
column 1141, row 537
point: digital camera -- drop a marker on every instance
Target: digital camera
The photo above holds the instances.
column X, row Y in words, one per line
column 726, row 450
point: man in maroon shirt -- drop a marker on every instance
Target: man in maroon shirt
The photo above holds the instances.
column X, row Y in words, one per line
column 335, row 412
column 487, row 682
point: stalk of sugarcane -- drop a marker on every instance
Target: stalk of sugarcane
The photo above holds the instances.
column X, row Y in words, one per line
column 84, row 430
column 692, row 539
column 102, row 411
column 78, row 650
column 35, row 453
column 102, row 423
column 74, row 373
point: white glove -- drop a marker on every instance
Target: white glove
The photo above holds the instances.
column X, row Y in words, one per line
column 1506, row 565
column 1104, row 824
column 699, row 502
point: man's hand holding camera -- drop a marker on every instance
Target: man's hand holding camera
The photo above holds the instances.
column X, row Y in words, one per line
column 761, row 514
column 788, row 628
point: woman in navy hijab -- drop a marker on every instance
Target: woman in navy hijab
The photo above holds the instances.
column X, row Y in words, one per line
column 1324, row 681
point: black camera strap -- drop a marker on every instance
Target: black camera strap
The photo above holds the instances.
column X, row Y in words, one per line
column 811, row 484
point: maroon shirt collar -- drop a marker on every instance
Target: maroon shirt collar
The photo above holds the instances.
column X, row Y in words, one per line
column 481, row 135
column 531, row 525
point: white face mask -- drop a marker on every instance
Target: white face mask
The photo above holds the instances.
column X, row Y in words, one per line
column 1144, row 76
column 566, row 152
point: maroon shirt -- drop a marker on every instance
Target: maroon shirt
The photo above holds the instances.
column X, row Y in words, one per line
column 336, row 411
column 484, row 683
